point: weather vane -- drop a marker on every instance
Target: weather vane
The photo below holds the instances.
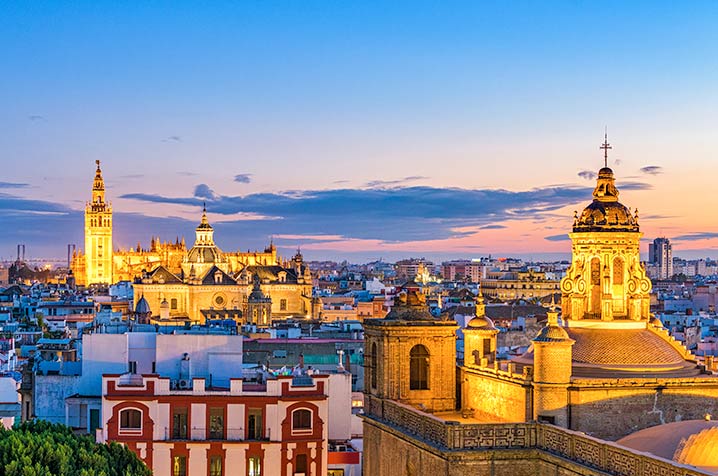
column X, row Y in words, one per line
column 605, row 147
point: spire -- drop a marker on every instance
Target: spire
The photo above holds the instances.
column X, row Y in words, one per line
column 605, row 147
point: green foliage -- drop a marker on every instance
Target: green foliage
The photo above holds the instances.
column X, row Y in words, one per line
column 39, row 448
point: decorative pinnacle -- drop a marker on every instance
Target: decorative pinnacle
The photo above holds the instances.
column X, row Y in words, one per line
column 605, row 147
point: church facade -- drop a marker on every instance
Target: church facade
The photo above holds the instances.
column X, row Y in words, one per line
column 197, row 283
column 602, row 369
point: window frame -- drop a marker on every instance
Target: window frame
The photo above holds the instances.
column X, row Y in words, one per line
column 296, row 415
column 129, row 429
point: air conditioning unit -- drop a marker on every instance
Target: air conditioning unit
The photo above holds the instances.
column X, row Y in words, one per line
column 184, row 384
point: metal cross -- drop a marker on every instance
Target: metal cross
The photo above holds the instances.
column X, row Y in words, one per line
column 605, row 146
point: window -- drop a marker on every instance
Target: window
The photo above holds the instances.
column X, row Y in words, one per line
column 374, row 360
column 132, row 367
column 282, row 304
column 255, row 466
column 254, row 424
column 215, row 466
column 179, row 466
column 335, row 472
column 179, row 423
column 300, row 464
column 301, row 420
column 216, row 423
column 173, row 304
column 130, row 419
column 418, row 368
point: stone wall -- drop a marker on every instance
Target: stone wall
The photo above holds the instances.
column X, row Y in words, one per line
column 400, row 440
column 638, row 406
column 500, row 398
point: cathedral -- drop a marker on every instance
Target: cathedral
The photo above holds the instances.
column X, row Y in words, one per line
column 600, row 370
column 197, row 283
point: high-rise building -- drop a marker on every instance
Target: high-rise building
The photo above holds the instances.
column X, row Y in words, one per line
column 660, row 254
column 98, row 234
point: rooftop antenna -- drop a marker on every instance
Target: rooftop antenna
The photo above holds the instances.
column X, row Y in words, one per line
column 605, row 147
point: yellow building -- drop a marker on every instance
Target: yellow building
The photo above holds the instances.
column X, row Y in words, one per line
column 98, row 267
column 100, row 263
column 602, row 371
column 213, row 284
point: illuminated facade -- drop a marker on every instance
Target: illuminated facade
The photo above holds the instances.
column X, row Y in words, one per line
column 198, row 283
column 604, row 370
column 214, row 284
column 98, row 265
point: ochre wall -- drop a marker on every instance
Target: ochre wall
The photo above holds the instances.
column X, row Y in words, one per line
column 495, row 399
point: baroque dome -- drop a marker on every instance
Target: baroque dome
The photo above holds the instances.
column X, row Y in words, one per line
column 605, row 212
column 481, row 322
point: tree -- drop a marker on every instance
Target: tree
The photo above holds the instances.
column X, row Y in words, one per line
column 39, row 448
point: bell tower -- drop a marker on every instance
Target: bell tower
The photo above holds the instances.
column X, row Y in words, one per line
column 98, row 234
column 606, row 280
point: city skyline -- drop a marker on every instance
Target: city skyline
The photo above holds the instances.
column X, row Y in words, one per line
column 417, row 132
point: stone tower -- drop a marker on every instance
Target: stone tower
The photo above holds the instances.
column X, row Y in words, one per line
column 480, row 338
column 411, row 356
column 606, row 280
column 552, row 375
column 98, row 234
column 259, row 306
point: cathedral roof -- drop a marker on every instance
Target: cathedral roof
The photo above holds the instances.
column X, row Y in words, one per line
column 605, row 212
column 215, row 276
column 600, row 352
column 205, row 254
column 163, row 275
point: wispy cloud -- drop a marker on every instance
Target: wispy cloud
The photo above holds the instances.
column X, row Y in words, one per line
column 492, row 227
column 13, row 185
column 652, row 169
column 389, row 214
column 394, row 183
column 36, row 117
column 704, row 235
column 243, row 178
column 561, row 237
column 172, row 139
column 587, row 175
column 188, row 174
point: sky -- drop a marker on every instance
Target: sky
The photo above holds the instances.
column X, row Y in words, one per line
column 357, row 130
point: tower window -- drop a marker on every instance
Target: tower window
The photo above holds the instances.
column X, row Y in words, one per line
column 418, row 368
column 282, row 304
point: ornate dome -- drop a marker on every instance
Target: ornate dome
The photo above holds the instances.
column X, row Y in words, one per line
column 552, row 333
column 409, row 305
column 605, row 212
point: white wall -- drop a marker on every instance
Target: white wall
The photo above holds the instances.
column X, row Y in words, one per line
column 340, row 406
column 101, row 354
column 218, row 355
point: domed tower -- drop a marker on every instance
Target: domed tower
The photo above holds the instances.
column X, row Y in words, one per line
column 98, row 234
column 259, row 306
column 142, row 313
column 606, row 279
column 552, row 372
column 480, row 338
column 204, row 254
column 410, row 356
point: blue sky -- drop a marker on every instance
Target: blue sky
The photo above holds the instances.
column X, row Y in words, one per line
column 408, row 116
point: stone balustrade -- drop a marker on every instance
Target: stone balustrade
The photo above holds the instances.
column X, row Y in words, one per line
column 596, row 454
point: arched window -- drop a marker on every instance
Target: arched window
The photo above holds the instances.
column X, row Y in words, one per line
column 419, row 368
column 130, row 419
column 301, row 420
column 374, row 366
